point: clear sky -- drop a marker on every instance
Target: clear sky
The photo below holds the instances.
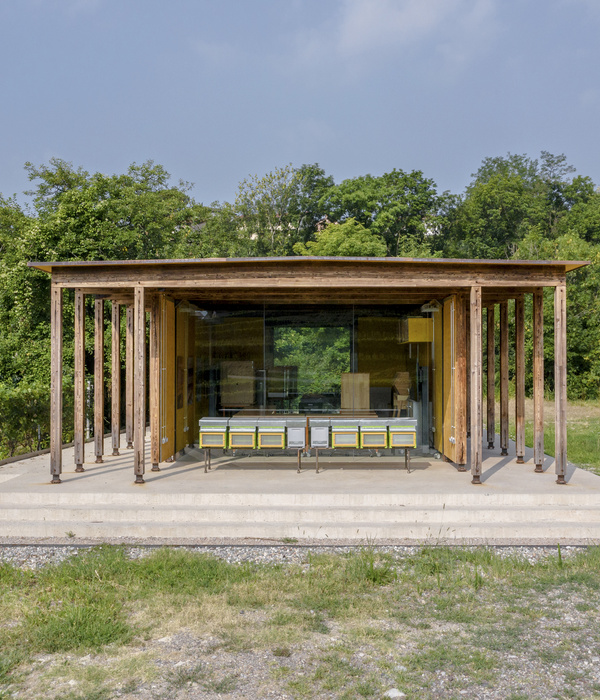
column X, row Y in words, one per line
column 216, row 90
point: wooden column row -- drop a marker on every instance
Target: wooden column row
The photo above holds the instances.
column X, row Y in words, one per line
column 519, row 375
column 99, row 379
column 135, row 370
column 491, row 377
column 560, row 368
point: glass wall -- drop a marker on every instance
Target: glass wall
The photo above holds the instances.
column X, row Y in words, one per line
column 350, row 361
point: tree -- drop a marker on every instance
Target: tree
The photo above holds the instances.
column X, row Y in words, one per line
column 74, row 216
column 349, row 239
column 509, row 198
column 400, row 207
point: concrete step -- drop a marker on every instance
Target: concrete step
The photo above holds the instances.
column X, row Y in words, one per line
column 358, row 531
column 161, row 515
column 479, row 498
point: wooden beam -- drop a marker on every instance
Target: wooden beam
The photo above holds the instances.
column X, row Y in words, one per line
column 476, row 385
column 560, row 381
column 129, row 363
column 116, row 377
column 79, row 381
column 491, row 377
column 155, row 384
column 298, row 273
column 139, row 427
column 99, row 379
column 504, row 378
column 520, row 379
column 538, row 379
column 460, row 373
column 56, row 372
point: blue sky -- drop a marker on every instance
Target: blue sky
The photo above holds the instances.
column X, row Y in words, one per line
column 216, row 90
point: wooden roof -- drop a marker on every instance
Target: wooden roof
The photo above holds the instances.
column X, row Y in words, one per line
column 566, row 265
column 305, row 279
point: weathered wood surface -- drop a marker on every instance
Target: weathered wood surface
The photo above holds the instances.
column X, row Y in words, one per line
column 538, row 379
column 491, row 376
column 99, row 379
column 79, row 381
column 155, row 325
column 460, row 373
column 297, row 273
column 504, row 378
column 139, row 374
column 520, row 378
column 56, row 362
column 560, row 381
column 476, row 384
column 129, row 364
column 116, row 377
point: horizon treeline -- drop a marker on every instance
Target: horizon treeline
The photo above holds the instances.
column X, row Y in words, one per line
column 515, row 207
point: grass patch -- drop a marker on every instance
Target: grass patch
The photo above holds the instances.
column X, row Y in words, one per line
column 463, row 612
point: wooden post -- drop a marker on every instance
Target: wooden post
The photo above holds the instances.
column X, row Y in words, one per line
column 79, row 380
column 560, row 381
column 538, row 379
column 129, row 362
column 139, row 401
column 504, row 378
column 116, row 378
column 155, row 384
column 520, row 378
column 468, row 325
column 491, row 377
column 476, row 385
column 99, row 379
column 460, row 374
column 56, row 370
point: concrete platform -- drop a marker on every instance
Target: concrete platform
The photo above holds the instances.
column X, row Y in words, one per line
column 356, row 499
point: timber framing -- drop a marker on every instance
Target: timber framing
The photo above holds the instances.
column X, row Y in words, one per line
column 475, row 285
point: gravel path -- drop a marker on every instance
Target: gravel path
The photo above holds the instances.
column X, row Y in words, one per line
column 35, row 556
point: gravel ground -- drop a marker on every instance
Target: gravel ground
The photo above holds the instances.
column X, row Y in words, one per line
column 34, row 556
column 199, row 667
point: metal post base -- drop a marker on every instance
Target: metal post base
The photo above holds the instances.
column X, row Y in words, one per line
column 504, row 452
column 115, row 452
column 561, row 481
column 520, row 460
column 130, row 445
column 538, row 469
column 476, row 480
column 99, row 460
column 155, row 468
column 490, row 445
column 79, row 468
column 139, row 479
column 461, row 468
column 56, row 479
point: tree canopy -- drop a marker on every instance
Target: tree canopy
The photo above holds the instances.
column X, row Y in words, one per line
column 515, row 207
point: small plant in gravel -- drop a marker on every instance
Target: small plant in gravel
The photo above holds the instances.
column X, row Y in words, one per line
column 282, row 651
column 183, row 676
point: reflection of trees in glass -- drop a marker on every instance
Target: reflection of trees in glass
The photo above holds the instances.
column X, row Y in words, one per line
column 321, row 355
